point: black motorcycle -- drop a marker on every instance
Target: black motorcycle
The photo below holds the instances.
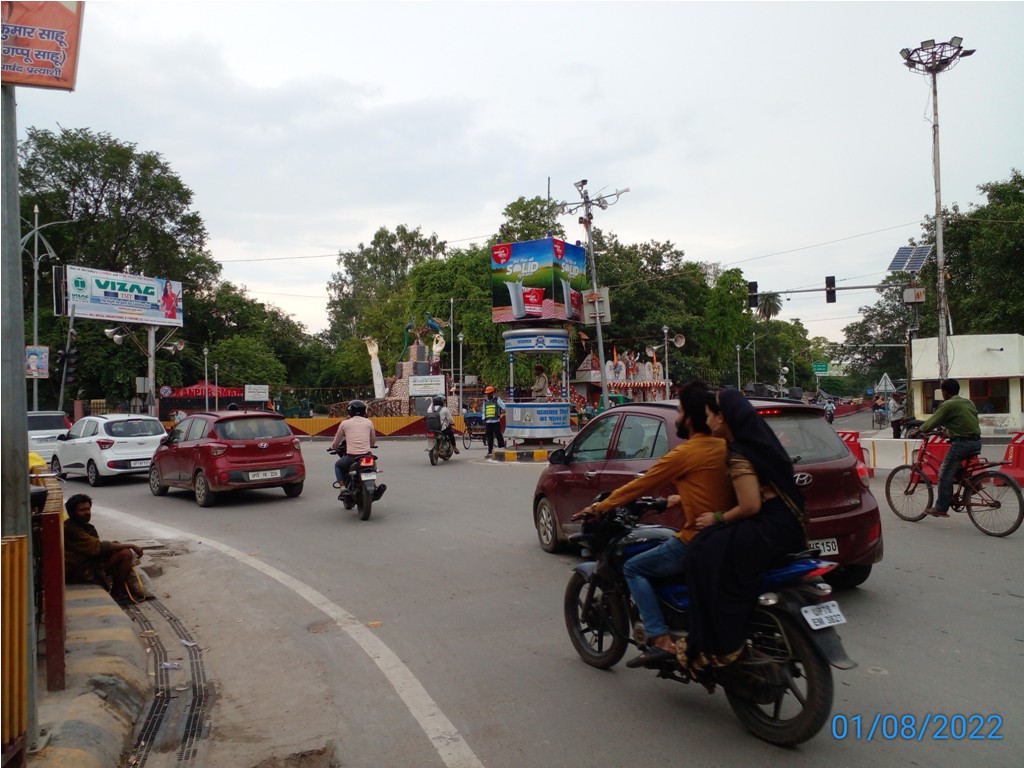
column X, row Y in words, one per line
column 361, row 488
column 780, row 689
column 439, row 446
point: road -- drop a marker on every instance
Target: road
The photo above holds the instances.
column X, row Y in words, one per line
column 432, row 634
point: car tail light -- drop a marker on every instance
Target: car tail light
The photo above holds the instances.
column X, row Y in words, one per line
column 104, row 445
column 863, row 474
column 769, row 411
column 296, row 444
column 218, row 449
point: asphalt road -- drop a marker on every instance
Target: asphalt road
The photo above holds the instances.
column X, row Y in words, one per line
column 432, row 634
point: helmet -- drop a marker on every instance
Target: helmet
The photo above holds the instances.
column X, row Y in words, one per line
column 356, row 408
column 439, row 400
column 489, row 390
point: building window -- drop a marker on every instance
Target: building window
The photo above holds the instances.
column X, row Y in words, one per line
column 990, row 395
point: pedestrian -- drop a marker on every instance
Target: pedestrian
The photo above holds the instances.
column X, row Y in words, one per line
column 493, row 407
column 897, row 414
column 90, row 560
column 963, row 429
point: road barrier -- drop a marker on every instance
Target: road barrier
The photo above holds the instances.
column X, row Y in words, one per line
column 852, row 440
column 15, row 648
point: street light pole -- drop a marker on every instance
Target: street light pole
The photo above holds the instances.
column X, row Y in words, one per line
column 206, row 378
column 664, row 330
column 216, row 386
column 461, row 401
column 738, row 385
column 931, row 59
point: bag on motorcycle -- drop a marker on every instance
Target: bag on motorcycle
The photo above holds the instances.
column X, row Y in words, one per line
column 433, row 422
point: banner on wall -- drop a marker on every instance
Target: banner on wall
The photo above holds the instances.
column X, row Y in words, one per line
column 41, row 43
column 120, row 298
column 538, row 280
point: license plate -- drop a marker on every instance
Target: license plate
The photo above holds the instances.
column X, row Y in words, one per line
column 266, row 474
column 368, row 475
column 825, row 546
column 140, row 464
column 823, row 615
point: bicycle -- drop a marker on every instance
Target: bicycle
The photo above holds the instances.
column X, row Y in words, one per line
column 992, row 499
column 880, row 419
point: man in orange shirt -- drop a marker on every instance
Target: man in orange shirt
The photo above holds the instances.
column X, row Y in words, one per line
column 698, row 469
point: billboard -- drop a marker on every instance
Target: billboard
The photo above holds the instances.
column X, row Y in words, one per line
column 122, row 298
column 537, row 280
column 40, row 44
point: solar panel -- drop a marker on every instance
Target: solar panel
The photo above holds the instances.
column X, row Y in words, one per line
column 910, row 258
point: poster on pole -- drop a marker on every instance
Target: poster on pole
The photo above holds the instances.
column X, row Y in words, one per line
column 37, row 362
column 98, row 295
column 41, row 43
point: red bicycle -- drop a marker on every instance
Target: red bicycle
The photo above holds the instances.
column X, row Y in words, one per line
column 992, row 499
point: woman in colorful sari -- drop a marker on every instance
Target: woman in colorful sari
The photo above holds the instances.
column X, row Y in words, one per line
column 736, row 546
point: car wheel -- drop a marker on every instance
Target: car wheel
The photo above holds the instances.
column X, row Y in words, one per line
column 92, row 473
column 155, row 486
column 204, row 496
column 56, row 468
column 547, row 527
column 293, row 490
column 848, row 576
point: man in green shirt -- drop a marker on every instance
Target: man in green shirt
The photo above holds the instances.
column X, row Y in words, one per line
column 960, row 418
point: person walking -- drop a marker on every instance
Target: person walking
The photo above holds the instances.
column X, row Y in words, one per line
column 493, row 406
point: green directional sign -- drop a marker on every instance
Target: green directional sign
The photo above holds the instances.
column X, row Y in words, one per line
column 820, row 367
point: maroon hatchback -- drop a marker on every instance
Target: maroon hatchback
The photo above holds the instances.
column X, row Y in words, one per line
column 209, row 453
column 625, row 441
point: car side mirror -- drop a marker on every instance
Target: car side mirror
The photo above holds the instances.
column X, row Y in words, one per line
column 558, row 457
column 63, row 436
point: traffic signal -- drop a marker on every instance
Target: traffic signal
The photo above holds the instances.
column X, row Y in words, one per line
column 71, row 366
column 830, row 289
column 752, row 295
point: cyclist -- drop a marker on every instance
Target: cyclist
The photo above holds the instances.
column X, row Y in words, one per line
column 960, row 418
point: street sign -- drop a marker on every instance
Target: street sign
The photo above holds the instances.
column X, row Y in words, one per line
column 820, row 367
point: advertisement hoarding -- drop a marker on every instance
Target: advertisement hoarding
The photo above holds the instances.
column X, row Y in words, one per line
column 41, row 43
column 121, row 298
column 537, row 280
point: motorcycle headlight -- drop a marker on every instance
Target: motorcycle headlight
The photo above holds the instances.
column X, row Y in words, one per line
column 768, row 599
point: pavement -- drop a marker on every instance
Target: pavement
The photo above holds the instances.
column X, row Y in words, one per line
column 90, row 723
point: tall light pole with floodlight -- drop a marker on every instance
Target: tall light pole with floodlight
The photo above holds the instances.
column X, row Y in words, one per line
column 931, row 59
column 206, row 378
column 461, row 406
column 664, row 330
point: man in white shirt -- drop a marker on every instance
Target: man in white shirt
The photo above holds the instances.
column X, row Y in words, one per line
column 359, row 436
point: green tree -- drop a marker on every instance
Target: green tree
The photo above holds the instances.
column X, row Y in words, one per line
column 244, row 360
column 769, row 305
column 531, row 219
column 887, row 321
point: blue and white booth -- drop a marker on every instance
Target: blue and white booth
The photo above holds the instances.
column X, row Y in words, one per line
column 537, row 420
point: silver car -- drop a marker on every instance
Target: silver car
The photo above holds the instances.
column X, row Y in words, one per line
column 43, row 429
column 103, row 446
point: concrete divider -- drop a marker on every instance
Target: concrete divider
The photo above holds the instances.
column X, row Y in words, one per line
column 885, row 453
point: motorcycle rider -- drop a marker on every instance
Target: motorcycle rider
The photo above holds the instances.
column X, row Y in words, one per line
column 439, row 407
column 360, row 437
column 830, row 411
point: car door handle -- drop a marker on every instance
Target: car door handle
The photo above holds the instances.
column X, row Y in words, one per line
column 639, row 474
column 590, row 475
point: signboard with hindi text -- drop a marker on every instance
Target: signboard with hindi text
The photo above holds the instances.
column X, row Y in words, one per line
column 41, row 43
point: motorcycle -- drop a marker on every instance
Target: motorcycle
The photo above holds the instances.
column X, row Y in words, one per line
column 780, row 688
column 830, row 415
column 440, row 446
column 361, row 488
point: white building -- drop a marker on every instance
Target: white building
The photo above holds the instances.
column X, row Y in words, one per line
column 990, row 370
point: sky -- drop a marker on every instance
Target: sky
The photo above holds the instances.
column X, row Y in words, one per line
column 786, row 139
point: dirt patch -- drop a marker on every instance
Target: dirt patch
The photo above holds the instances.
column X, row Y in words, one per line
column 313, row 758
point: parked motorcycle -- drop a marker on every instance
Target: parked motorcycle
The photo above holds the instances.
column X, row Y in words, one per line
column 440, row 447
column 781, row 689
column 361, row 488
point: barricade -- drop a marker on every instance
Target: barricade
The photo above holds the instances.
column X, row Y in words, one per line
column 16, row 656
column 852, row 440
column 1015, row 456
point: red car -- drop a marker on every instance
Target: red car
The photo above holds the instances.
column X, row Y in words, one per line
column 626, row 440
column 210, row 453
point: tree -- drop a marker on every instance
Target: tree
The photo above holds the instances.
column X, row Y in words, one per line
column 885, row 322
column 769, row 305
column 245, row 360
column 531, row 219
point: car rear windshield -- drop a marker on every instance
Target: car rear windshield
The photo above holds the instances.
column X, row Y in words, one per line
column 54, row 421
column 134, row 428
column 252, row 428
column 807, row 437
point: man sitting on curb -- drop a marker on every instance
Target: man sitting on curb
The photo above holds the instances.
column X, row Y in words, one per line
column 87, row 559
column 963, row 429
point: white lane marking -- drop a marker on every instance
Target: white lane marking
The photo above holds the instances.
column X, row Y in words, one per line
column 448, row 742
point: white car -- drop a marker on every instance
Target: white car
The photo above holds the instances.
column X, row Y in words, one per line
column 43, row 429
column 103, row 446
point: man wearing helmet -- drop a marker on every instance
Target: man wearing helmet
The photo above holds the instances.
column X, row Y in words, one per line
column 359, row 437
column 438, row 406
column 493, row 406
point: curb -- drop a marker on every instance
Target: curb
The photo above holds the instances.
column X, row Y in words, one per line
column 107, row 685
column 539, row 455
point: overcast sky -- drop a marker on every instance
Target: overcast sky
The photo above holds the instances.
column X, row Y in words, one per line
column 783, row 138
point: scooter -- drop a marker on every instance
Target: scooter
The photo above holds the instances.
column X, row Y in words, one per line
column 361, row 488
column 781, row 691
